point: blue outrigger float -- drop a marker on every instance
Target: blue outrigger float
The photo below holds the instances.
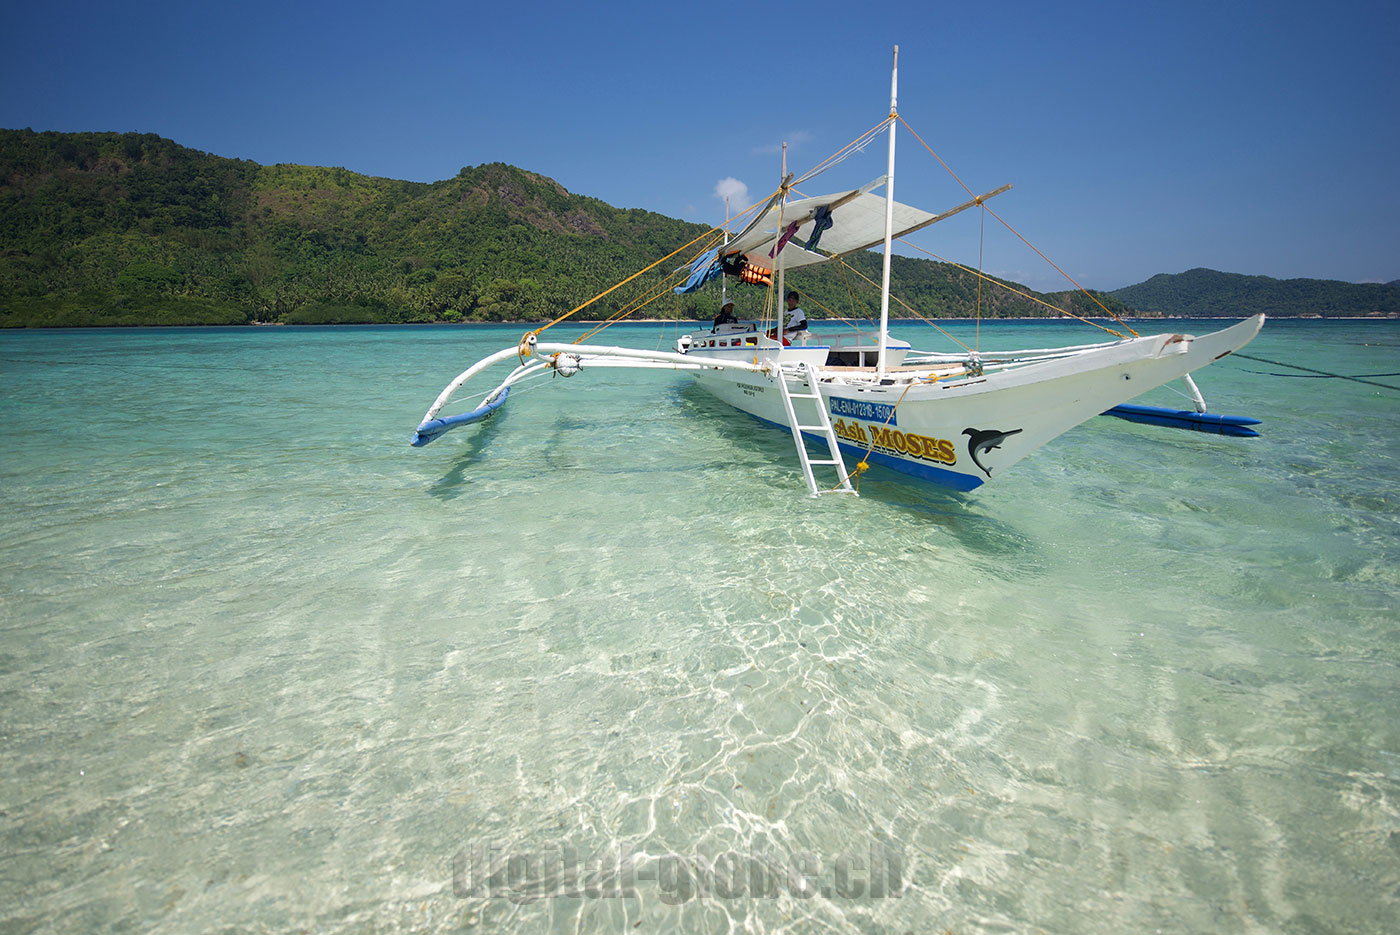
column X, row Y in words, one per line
column 1214, row 423
column 432, row 428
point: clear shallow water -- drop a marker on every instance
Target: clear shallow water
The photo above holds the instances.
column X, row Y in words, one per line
column 264, row 665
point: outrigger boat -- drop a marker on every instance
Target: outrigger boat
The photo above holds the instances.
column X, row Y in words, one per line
column 958, row 420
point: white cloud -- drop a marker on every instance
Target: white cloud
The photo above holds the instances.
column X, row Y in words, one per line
column 736, row 191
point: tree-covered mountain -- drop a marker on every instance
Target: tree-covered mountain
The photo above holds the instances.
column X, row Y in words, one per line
column 116, row 229
column 1208, row 293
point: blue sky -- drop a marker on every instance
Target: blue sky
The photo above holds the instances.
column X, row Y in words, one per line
column 1250, row 137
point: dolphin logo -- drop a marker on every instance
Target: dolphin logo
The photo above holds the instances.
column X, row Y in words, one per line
column 981, row 441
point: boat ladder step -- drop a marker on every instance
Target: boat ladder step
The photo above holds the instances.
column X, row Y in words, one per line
column 802, row 383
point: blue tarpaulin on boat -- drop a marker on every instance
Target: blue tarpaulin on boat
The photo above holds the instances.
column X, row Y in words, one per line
column 706, row 267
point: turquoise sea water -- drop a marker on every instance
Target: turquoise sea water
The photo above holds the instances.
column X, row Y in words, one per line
column 263, row 666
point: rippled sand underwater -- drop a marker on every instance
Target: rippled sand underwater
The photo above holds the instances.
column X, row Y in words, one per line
column 600, row 665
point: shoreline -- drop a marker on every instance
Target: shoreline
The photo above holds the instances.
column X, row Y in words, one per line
column 692, row 323
column 701, row 321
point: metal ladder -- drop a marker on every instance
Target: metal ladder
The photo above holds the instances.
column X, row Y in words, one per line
column 801, row 383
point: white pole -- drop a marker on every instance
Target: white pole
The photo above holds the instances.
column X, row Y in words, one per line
column 889, row 220
column 781, row 303
column 1197, row 399
column 724, row 280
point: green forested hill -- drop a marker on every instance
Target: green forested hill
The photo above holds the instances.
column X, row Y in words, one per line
column 1205, row 292
column 117, row 229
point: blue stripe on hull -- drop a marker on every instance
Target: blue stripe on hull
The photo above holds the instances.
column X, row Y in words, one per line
column 940, row 476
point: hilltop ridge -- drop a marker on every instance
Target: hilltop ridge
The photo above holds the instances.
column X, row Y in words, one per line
column 1207, row 293
column 128, row 229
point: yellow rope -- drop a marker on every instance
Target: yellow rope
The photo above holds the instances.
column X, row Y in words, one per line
column 863, row 464
column 938, row 157
column 619, row 285
column 634, row 306
column 911, row 308
column 981, row 238
column 710, row 244
column 832, row 313
column 770, row 307
column 1024, row 295
column 1095, row 299
column 1013, row 230
column 851, row 294
column 630, row 307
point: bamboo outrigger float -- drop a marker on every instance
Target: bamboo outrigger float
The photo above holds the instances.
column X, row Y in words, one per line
column 958, row 420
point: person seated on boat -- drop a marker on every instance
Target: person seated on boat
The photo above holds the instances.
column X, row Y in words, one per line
column 796, row 319
column 725, row 316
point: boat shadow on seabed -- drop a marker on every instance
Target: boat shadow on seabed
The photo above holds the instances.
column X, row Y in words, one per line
column 454, row 483
column 756, row 442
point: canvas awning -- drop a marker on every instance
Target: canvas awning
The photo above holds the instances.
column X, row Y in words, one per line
column 857, row 223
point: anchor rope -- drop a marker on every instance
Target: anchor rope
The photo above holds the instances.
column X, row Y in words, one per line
column 864, row 464
column 1325, row 373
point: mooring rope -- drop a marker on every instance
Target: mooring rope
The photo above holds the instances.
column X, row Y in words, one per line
column 1322, row 373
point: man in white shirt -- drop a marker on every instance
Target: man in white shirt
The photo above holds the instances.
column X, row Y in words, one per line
column 796, row 319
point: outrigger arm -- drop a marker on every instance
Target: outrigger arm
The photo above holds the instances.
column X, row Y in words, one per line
column 564, row 359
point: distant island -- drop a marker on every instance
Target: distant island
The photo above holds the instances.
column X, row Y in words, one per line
column 134, row 229
column 1206, row 293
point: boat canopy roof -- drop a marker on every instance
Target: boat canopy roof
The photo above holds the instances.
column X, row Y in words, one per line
column 857, row 222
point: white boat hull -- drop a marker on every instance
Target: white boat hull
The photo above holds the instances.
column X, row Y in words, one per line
column 963, row 432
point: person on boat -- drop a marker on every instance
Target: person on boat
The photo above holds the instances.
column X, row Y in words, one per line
column 796, row 318
column 725, row 316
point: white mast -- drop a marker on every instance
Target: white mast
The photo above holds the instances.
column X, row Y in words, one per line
column 724, row 280
column 779, row 305
column 889, row 220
